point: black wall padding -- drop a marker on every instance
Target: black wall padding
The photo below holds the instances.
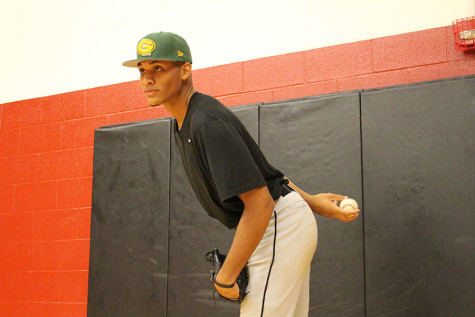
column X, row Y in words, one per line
column 129, row 233
column 192, row 234
column 419, row 189
column 405, row 153
column 316, row 143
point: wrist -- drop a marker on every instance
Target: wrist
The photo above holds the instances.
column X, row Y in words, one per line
column 223, row 278
column 224, row 285
column 318, row 206
column 312, row 201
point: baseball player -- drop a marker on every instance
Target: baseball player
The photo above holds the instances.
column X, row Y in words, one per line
column 276, row 232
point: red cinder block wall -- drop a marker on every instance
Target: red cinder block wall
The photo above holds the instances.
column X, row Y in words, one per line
column 46, row 150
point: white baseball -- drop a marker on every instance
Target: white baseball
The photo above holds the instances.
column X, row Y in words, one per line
column 348, row 204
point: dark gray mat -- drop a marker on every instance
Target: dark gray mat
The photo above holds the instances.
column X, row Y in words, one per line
column 419, row 181
column 316, row 143
column 129, row 225
column 418, row 177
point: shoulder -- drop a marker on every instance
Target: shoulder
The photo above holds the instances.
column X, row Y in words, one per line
column 208, row 112
column 201, row 98
column 205, row 103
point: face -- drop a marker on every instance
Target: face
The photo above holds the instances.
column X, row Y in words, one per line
column 161, row 81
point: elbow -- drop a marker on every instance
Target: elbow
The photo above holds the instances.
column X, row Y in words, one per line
column 268, row 206
column 258, row 199
column 267, row 203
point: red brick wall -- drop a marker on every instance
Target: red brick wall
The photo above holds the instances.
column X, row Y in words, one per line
column 46, row 150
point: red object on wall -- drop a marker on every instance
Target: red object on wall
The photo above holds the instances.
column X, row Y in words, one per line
column 464, row 33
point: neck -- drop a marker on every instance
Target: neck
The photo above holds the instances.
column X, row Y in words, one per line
column 178, row 107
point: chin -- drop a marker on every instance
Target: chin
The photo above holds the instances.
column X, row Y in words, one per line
column 154, row 103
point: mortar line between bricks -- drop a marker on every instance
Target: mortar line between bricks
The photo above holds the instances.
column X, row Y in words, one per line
column 39, row 302
column 42, row 211
column 51, row 181
column 57, row 194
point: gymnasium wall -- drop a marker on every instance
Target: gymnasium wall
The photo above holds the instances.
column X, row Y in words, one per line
column 58, row 46
column 54, row 99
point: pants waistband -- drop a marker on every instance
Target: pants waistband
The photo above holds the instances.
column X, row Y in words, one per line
column 286, row 189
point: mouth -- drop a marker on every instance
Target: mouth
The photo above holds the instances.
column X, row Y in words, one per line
column 150, row 92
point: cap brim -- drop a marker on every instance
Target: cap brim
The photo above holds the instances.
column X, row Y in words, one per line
column 132, row 63
column 135, row 62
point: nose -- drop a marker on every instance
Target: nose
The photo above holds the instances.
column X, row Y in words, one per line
column 147, row 79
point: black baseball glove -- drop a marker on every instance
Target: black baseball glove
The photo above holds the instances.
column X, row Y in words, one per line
column 217, row 260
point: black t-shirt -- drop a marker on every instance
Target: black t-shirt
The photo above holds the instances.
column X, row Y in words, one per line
column 221, row 159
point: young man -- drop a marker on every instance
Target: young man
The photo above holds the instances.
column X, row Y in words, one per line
column 276, row 232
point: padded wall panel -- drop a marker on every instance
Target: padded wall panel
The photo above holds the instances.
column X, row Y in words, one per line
column 192, row 234
column 129, row 225
column 316, row 143
column 419, row 180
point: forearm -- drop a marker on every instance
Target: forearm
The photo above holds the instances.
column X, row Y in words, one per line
column 303, row 194
column 249, row 233
column 315, row 204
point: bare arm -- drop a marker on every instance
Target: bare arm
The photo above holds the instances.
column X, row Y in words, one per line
column 326, row 205
column 258, row 208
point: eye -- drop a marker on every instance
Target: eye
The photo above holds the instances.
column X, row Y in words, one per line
column 141, row 70
column 158, row 68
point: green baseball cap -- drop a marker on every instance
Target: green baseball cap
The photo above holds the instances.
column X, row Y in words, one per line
column 161, row 46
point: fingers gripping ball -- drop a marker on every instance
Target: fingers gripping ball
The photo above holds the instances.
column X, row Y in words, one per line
column 349, row 204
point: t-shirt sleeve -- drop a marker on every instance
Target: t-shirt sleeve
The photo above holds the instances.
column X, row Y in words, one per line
column 231, row 164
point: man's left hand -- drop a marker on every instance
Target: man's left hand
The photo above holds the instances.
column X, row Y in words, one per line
column 230, row 293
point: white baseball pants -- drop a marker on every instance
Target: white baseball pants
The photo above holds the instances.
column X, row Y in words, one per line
column 279, row 268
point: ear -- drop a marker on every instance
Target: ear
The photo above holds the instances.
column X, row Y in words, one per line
column 185, row 71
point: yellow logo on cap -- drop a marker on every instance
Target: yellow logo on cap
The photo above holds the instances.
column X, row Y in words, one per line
column 180, row 53
column 146, row 47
